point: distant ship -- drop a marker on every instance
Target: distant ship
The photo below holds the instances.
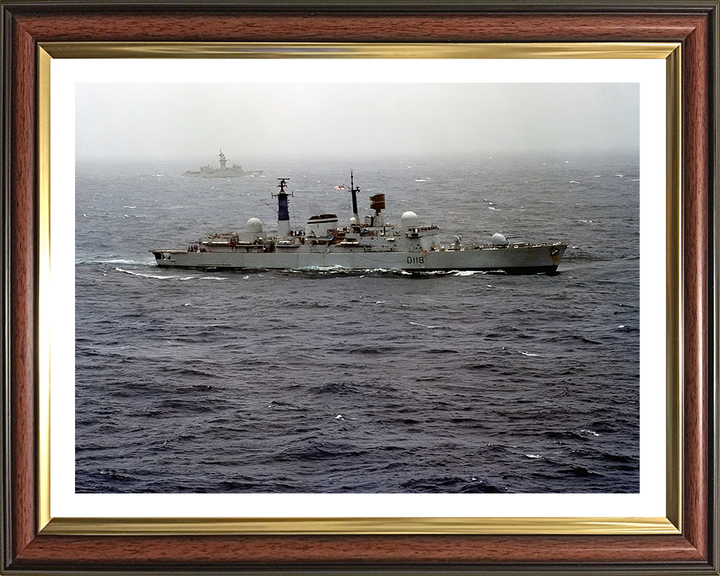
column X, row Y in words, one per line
column 371, row 243
column 224, row 171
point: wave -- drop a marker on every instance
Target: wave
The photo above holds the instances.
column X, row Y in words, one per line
column 480, row 366
column 155, row 276
column 374, row 349
column 193, row 372
column 579, row 471
column 335, row 388
column 429, row 327
column 172, row 277
column 318, row 451
column 450, row 484
column 583, row 435
column 203, row 278
column 283, row 405
column 116, row 261
column 175, row 406
column 343, row 271
column 621, row 458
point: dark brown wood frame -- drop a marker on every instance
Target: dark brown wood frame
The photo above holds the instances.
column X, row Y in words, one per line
column 692, row 23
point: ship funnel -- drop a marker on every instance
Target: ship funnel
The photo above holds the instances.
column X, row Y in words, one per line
column 377, row 203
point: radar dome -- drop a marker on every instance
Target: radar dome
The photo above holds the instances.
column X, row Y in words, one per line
column 499, row 240
column 409, row 220
column 254, row 225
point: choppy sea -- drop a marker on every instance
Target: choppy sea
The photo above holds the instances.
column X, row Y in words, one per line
column 367, row 381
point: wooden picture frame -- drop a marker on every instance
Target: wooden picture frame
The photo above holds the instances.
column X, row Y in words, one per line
column 29, row 546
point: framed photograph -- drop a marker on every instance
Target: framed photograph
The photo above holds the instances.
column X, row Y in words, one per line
column 360, row 288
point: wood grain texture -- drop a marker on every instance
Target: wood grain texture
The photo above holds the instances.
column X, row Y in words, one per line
column 22, row 293
column 225, row 551
column 688, row 552
column 696, row 131
column 356, row 27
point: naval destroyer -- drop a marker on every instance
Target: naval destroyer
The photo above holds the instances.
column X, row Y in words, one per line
column 224, row 171
column 368, row 243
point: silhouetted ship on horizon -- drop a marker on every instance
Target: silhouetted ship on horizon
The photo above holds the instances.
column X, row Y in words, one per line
column 224, row 171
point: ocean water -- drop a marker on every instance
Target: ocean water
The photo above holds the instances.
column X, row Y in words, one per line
column 367, row 381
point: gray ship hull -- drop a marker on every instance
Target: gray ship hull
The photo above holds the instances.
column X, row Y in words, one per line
column 227, row 173
column 513, row 259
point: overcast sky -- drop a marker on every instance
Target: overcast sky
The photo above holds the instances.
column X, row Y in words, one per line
column 124, row 120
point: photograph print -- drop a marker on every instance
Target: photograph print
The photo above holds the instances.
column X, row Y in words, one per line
column 300, row 287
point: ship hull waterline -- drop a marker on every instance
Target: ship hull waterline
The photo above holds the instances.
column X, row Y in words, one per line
column 532, row 259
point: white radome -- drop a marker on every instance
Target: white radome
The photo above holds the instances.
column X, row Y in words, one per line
column 409, row 220
column 499, row 240
column 254, row 225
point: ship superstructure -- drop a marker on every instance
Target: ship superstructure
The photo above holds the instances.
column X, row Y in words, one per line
column 368, row 243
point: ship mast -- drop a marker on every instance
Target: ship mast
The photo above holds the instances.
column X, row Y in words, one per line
column 283, row 211
column 222, row 160
column 353, row 192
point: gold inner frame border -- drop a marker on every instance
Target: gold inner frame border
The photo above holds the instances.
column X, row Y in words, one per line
column 671, row 524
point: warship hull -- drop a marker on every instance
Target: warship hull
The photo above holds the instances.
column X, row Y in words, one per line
column 521, row 259
column 226, row 173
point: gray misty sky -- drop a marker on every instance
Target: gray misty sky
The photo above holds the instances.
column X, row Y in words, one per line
column 126, row 120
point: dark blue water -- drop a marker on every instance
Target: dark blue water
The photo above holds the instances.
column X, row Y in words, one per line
column 374, row 381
